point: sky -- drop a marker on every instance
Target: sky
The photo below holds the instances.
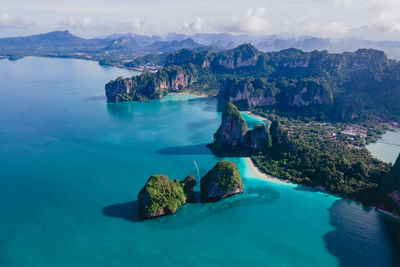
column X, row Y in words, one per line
column 364, row 19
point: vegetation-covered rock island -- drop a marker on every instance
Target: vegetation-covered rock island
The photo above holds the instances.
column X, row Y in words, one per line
column 222, row 181
column 162, row 196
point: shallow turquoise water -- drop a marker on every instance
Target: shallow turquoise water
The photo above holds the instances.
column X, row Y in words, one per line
column 251, row 120
column 71, row 166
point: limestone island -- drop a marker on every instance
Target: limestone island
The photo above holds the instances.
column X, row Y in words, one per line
column 222, row 181
column 162, row 196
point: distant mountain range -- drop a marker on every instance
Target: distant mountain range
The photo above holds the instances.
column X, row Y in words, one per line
column 119, row 47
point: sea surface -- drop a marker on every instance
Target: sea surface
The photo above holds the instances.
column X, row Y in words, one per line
column 388, row 147
column 71, row 166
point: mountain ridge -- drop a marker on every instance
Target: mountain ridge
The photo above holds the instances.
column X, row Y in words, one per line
column 345, row 86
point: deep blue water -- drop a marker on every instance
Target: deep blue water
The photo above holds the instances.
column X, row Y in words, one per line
column 71, row 166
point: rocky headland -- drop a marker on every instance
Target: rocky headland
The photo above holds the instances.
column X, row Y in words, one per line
column 234, row 138
column 150, row 85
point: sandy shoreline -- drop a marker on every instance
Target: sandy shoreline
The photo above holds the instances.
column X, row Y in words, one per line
column 272, row 179
column 183, row 93
column 262, row 175
column 257, row 116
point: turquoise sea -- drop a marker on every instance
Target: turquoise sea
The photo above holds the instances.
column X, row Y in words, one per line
column 71, row 166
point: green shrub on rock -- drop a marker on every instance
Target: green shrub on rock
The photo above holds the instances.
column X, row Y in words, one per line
column 162, row 196
column 221, row 181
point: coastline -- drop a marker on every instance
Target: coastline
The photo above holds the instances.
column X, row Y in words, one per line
column 397, row 217
column 262, row 176
column 257, row 116
column 188, row 93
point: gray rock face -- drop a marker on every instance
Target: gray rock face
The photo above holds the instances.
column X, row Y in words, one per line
column 312, row 93
column 232, row 129
column 236, row 92
column 243, row 90
column 118, row 87
column 152, row 86
column 233, row 135
column 259, row 138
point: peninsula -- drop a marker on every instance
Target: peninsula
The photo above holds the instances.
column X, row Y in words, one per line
column 297, row 153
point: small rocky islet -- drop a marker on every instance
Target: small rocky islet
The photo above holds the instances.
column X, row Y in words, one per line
column 222, row 181
column 163, row 196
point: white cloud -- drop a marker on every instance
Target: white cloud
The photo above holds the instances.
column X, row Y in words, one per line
column 253, row 21
column 11, row 22
column 388, row 20
column 88, row 25
column 378, row 19
column 195, row 26
column 341, row 18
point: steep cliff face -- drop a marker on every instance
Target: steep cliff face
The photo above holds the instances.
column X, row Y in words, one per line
column 259, row 92
column 116, row 89
column 233, row 135
column 244, row 56
column 180, row 81
column 258, row 139
column 232, row 129
column 150, row 85
column 234, row 90
column 311, row 93
column 391, row 188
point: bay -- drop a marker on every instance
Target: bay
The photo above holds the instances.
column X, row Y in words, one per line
column 71, row 166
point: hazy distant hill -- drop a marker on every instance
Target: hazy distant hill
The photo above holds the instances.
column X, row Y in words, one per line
column 57, row 39
column 114, row 47
column 174, row 45
column 126, row 46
